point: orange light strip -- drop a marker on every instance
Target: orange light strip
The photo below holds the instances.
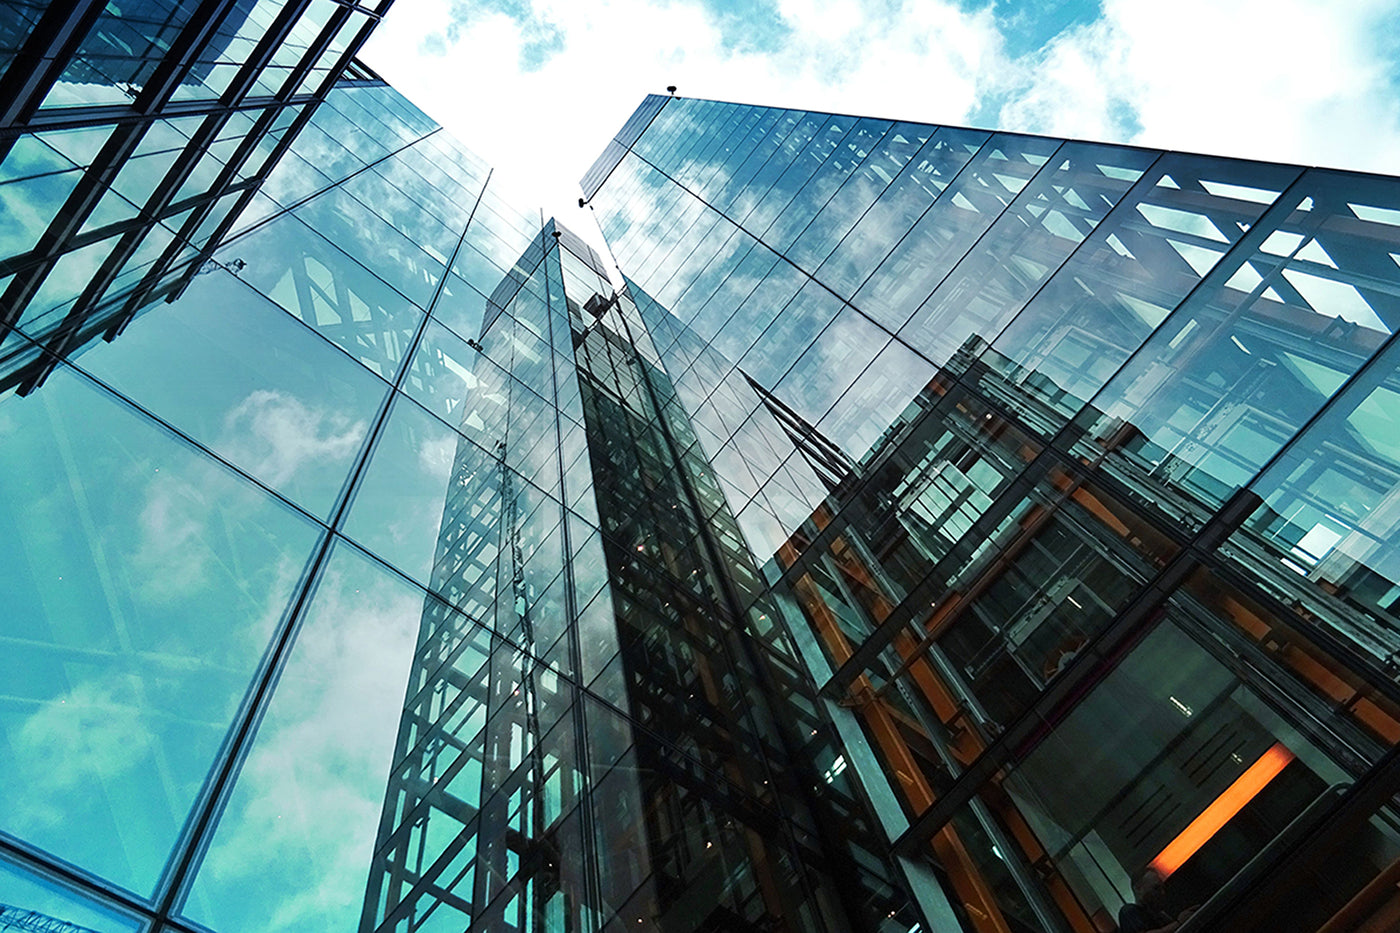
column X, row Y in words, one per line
column 1222, row 809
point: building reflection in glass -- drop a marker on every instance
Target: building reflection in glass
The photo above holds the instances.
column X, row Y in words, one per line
column 1093, row 551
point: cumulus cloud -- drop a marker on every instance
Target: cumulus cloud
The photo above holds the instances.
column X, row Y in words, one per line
column 542, row 122
column 1293, row 81
column 93, row 733
column 548, row 81
column 309, row 794
column 274, row 435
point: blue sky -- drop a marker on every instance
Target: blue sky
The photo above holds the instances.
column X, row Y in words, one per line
column 537, row 87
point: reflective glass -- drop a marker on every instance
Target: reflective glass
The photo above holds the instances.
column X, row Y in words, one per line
column 1234, row 372
column 864, row 171
column 29, row 900
column 407, row 215
column 838, row 159
column 1111, row 790
column 873, row 407
column 398, row 508
column 1160, row 241
column 801, row 320
column 143, row 582
column 231, row 46
column 119, row 54
column 343, row 301
column 375, row 244
column 1047, row 221
column 28, row 206
column 29, row 156
column 309, row 793
column 260, row 389
column 950, row 226
column 830, row 364
column 62, row 282
column 459, row 385
column 918, row 185
column 1324, row 537
column 25, row 14
column 293, row 179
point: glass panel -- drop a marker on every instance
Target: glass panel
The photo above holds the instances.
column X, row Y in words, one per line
column 831, row 364
column 792, row 333
column 385, row 251
column 292, row 179
column 120, row 53
column 63, row 282
column 461, row 307
column 961, row 209
column 1059, row 567
column 405, row 213
column 1170, row 739
column 399, row 507
column 872, row 168
column 28, row 156
column 1324, row 537
column 143, row 582
column 308, row 795
column 305, row 274
column 1233, row 373
column 872, row 408
column 461, row 386
column 30, row 901
column 1047, row 221
column 25, row 14
column 27, row 208
column 231, row 45
column 269, row 395
column 1140, row 262
column 837, row 160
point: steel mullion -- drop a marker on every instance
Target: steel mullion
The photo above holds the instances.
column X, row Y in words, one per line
column 67, row 223
column 45, row 54
column 265, row 50
column 175, row 65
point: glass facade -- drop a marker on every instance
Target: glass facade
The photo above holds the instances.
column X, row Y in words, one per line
column 1065, row 467
column 921, row 529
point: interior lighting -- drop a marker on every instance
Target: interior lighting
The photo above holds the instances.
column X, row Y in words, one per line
column 1223, row 809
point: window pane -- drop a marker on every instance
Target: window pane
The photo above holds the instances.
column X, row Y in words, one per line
column 142, row 583
column 260, row 388
column 308, row 796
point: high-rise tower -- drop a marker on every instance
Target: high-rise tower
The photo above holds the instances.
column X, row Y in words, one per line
column 922, row 528
column 1071, row 465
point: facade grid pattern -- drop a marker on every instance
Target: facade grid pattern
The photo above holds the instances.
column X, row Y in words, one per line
column 1058, row 450
column 922, row 528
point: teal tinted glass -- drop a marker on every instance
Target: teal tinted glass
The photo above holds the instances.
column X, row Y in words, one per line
column 1324, row 537
column 1048, row 220
column 374, row 243
column 263, row 390
column 308, row 794
column 399, row 504
column 29, row 900
column 342, row 300
column 1160, row 241
column 144, row 581
column 1234, row 372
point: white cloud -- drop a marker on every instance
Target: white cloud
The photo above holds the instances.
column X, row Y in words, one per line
column 309, row 794
column 1281, row 80
column 542, row 128
column 1287, row 80
column 274, row 435
column 94, row 733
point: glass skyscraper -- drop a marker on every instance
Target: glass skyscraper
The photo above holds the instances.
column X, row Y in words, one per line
column 1069, row 468
column 920, row 528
